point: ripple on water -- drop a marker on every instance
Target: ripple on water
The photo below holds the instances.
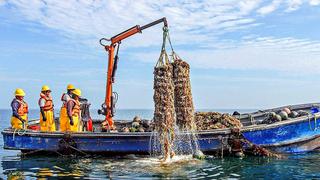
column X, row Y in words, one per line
column 144, row 167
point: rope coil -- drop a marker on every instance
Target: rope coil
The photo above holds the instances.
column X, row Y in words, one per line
column 20, row 132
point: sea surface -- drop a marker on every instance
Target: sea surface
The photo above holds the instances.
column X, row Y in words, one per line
column 300, row 166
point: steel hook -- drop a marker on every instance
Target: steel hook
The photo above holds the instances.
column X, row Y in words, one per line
column 103, row 41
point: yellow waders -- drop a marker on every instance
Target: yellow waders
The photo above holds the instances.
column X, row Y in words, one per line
column 49, row 124
column 75, row 127
column 17, row 124
column 64, row 120
column 75, row 117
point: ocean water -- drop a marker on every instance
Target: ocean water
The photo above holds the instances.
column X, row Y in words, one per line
column 13, row 166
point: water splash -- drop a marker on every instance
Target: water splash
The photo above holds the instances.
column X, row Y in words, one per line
column 185, row 143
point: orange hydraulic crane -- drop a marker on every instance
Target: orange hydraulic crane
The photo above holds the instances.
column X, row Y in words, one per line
column 107, row 108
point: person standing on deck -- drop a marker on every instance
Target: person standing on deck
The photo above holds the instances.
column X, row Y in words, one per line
column 64, row 119
column 46, row 110
column 19, row 119
column 73, row 111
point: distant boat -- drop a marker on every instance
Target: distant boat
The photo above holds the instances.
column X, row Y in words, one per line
column 295, row 135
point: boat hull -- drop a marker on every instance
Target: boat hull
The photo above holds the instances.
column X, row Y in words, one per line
column 114, row 143
column 296, row 135
column 284, row 137
column 299, row 135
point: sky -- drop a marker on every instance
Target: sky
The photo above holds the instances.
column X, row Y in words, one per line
column 249, row 54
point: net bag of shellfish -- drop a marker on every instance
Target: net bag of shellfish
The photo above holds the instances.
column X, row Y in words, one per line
column 183, row 101
column 215, row 120
column 164, row 116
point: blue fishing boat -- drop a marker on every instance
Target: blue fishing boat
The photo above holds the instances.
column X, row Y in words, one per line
column 293, row 135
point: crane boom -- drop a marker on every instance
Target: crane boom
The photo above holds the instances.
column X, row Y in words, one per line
column 110, row 98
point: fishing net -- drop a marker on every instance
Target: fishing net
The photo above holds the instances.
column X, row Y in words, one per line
column 164, row 114
column 173, row 104
column 182, row 94
column 215, row 120
column 239, row 144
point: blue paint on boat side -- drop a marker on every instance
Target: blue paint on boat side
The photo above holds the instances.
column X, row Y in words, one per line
column 284, row 133
column 113, row 144
column 302, row 145
column 121, row 144
column 288, row 137
column 25, row 142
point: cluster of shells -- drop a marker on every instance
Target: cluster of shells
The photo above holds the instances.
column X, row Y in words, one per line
column 174, row 103
column 138, row 125
column 183, row 101
column 215, row 120
column 163, row 98
column 164, row 113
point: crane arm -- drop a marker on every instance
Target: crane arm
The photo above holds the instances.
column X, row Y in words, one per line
column 136, row 29
column 108, row 105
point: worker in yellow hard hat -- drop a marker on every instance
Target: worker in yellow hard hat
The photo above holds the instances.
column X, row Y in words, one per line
column 64, row 119
column 46, row 110
column 19, row 119
column 73, row 111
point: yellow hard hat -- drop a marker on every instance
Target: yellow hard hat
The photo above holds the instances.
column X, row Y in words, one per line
column 19, row 92
column 45, row 88
column 70, row 87
column 77, row 92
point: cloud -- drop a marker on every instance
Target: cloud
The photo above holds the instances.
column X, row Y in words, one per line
column 213, row 36
column 288, row 6
column 289, row 55
column 269, row 8
column 314, row 2
column 84, row 20
column 248, row 5
column 293, row 5
column 88, row 21
column 200, row 25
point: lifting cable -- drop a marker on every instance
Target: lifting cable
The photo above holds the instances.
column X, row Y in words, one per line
column 174, row 55
column 163, row 59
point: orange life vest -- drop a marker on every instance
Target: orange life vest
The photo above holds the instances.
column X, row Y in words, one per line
column 48, row 106
column 23, row 108
column 76, row 107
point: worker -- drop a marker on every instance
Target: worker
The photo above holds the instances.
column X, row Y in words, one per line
column 64, row 119
column 19, row 119
column 46, row 110
column 73, row 111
